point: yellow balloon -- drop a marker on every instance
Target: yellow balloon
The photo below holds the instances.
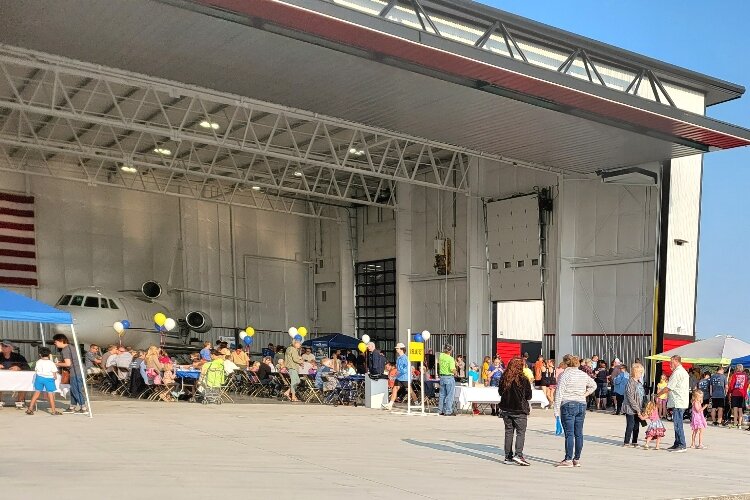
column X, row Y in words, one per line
column 362, row 347
column 160, row 319
column 250, row 331
column 302, row 331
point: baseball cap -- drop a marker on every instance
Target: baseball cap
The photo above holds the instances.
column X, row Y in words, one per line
column 400, row 345
column 7, row 343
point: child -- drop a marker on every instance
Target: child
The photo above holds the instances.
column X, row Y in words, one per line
column 655, row 429
column 44, row 381
column 662, row 400
column 697, row 420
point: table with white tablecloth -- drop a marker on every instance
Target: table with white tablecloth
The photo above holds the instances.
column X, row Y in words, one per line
column 18, row 381
column 466, row 396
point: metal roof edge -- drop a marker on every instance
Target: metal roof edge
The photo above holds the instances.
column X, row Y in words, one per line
column 711, row 84
column 434, row 42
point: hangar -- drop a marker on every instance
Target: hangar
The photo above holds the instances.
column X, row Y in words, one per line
column 360, row 166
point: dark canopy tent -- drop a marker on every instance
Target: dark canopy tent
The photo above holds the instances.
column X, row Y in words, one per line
column 16, row 307
column 332, row 342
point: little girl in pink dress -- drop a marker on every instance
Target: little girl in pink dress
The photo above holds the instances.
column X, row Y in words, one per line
column 697, row 420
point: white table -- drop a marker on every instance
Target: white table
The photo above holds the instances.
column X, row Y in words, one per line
column 18, row 381
column 466, row 396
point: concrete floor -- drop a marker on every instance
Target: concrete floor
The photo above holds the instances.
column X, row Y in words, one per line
column 284, row 451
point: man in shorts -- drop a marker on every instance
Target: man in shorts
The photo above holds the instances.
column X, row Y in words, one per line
column 718, row 395
column 737, row 390
column 401, row 376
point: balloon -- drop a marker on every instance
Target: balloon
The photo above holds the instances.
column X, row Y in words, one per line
column 118, row 326
column 157, row 327
column 243, row 335
column 426, row 335
column 125, row 324
column 298, row 337
column 362, row 347
column 250, row 330
column 293, row 332
column 247, row 340
column 365, row 338
column 302, row 331
column 418, row 338
column 170, row 324
column 160, row 318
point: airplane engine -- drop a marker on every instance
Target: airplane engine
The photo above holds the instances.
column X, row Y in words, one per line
column 198, row 321
column 151, row 289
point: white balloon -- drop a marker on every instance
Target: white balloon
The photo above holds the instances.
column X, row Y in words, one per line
column 243, row 334
column 426, row 335
column 292, row 332
column 365, row 338
column 118, row 327
column 169, row 324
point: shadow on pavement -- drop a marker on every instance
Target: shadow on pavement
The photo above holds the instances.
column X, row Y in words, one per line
column 496, row 450
column 588, row 439
column 450, row 449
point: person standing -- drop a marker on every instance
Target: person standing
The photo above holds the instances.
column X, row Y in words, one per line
column 375, row 361
column 460, row 366
column 678, row 398
column 602, row 389
column 447, row 372
column 737, row 390
column 293, row 363
column 619, row 385
column 538, row 367
column 70, row 361
column 573, row 388
column 515, row 393
column 632, row 404
column 44, row 381
column 718, row 395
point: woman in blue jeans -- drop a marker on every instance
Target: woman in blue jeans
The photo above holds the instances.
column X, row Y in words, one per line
column 573, row 387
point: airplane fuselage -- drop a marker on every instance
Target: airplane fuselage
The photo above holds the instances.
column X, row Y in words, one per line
column 96, row 309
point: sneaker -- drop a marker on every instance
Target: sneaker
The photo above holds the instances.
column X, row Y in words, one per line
column 673, row 447
column 70, row 409
column 82, row 411
column 509, row 461
column 19, row 406
column 387, row 406
column 565, row 464
column 2, row 404
column 520, row 460
column 442, row 414
column 680, row 449
column 576, row 463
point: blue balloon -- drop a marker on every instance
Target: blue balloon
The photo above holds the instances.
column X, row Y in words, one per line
column 157, row 327
column 125, row 324
column 298, row 337
column 248, row 340
column 418, row 338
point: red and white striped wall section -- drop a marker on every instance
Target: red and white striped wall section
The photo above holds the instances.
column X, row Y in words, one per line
column 17, row 241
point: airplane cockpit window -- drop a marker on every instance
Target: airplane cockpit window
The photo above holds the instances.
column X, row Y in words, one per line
column 91, row 302
column 112, row 304
column 77, row 300
column 104, row 304
column 63, row 300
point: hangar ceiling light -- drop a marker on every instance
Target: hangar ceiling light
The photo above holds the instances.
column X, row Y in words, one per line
column 208, row 124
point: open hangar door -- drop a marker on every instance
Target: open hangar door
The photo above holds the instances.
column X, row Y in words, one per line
column 340, row 139
column 516, row 230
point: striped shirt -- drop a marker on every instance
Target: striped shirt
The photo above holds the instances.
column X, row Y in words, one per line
column 573, row 385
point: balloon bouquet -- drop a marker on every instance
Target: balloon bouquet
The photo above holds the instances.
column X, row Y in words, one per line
column 162, row 324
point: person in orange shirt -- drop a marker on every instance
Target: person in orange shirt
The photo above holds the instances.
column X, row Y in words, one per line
column 538, row 367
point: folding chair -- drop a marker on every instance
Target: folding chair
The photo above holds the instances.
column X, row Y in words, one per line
column 310, row 393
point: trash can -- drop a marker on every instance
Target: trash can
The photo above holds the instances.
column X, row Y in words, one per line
column 376, row 392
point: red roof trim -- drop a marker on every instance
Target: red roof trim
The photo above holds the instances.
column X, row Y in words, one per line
column 337, row 30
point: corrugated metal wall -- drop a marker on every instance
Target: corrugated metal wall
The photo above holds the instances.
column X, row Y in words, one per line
column 627, row 348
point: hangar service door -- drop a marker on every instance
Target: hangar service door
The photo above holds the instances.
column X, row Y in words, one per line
column 515, row 252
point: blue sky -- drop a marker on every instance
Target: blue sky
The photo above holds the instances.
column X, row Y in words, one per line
column 712, row 38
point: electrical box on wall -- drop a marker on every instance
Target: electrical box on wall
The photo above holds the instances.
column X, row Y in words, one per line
column 442, row 256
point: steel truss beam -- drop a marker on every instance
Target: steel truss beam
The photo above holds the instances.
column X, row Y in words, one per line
column 71, row 120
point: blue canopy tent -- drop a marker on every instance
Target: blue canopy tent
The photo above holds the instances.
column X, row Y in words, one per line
column 16, row 307
column 328, row 343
